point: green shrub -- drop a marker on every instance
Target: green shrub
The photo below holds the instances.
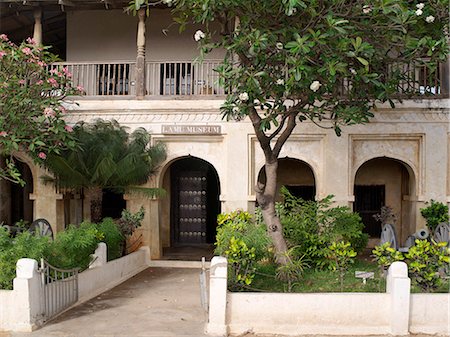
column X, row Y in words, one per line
column 385, row 255
column 435, row 213
column 342, row 256
column 425, row 259
column 128, row 222
column 112, row 236
column 243, row 242
column 292, row 271
column 73, row 247
column 311, row 226
column 24, row 245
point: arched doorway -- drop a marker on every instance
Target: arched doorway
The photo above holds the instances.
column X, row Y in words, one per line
column 296, row 175
column 385, row 182
column 15, row 200
column 194, row 189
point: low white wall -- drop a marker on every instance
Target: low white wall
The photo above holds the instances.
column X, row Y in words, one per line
column 6, row 300
column 395, row 312
column 96, row 280
column 295, row 314
column 430, row 314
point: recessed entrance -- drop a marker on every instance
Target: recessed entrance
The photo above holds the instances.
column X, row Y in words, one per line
column 385, row 182
column 15, row 200
column 194, row 202
column 296, row 175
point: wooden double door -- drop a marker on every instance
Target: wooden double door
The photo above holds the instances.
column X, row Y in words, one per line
column 194, row 202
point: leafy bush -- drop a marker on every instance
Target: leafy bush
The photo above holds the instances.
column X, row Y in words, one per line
column 434, row 214
column 24, row 245
column 244, row 243
column 425, row 259
column 113, row 238
column 312, row 226
column 292, row 271
column 129, row 222
column 385, row 255
column 342, row 256
column 73, row 247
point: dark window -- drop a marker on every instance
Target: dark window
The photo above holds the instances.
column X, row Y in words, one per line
column 368, row 202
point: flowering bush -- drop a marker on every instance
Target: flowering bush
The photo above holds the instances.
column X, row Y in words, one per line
column 31, row 110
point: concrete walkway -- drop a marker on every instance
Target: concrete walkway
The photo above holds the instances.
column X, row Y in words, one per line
column 157, row 302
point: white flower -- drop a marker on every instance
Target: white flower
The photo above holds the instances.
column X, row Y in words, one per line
column 168, row 2
column 429, row 19
column 420, row 6
column 353, row 71
column 243, row 97
column 367, row 9
column 315, row 86
column 419, row 12
column 199, row 35
column 279, row 45
column 235, row 109
column 280, row 81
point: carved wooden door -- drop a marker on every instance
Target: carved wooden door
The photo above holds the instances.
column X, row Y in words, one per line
column 190, row 207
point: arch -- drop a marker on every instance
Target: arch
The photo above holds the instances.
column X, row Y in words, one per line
column 384, row 181
column 189, row 211
column 15, row 201
column 297, row 175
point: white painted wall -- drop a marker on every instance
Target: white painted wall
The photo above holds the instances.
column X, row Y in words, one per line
column 110, row 35
column 430, row 314
column 294, row 314
column 395, row 312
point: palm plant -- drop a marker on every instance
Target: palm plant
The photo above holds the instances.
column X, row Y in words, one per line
column 107, row 157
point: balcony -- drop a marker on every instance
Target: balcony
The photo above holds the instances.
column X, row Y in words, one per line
column 188, row 79
column 162, row 79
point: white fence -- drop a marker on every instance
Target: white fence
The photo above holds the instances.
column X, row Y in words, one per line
column 22, row 309
column 395, row 312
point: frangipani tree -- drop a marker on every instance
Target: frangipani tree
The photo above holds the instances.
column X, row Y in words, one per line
column 31, row 110
column 107, row 157
column 328, row 61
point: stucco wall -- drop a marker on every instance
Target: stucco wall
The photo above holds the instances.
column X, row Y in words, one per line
column 110, row 35
column 295, row 314
column 430, row 313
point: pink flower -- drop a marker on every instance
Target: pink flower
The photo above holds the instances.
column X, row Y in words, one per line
column 68, row 128
column 4, row 37
column 2, row 53
column 80, row 88
column 3, row 134
column 22, row 82
column 49, row 112
column 62, row 109
column 42, row 155
column 40, row 82
column 30, row 40
column 53, row 71
column 53, row 82
column 41, row 64
column 66, row 72
column 27, row 51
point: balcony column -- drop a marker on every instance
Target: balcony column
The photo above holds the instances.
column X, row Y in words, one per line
column 140, row 59
column 37, row 32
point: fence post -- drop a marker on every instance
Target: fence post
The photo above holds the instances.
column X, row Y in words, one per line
column 399, row 287
column 100, row 256
column 28, row 293
column 217, row 297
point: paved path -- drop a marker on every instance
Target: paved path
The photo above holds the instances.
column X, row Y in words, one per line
column 157, row 302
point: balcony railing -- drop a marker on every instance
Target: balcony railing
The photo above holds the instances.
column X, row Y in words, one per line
column 117, row 79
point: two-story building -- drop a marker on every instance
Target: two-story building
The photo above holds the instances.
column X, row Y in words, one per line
column 142, row 72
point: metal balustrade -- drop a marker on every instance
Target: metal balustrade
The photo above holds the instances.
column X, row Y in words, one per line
column 189, row 78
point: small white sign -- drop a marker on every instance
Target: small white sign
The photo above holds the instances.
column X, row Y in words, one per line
column 364, row 275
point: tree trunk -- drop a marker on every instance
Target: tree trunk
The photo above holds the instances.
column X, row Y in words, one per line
column 265, row 195
column 96, row 197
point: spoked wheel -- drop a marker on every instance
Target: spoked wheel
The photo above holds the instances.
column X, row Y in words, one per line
column 42, row 228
